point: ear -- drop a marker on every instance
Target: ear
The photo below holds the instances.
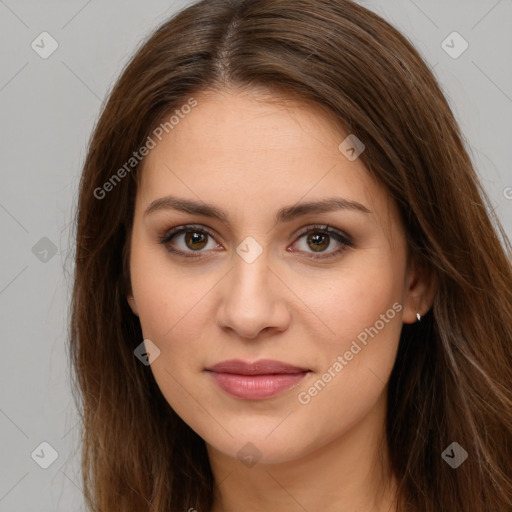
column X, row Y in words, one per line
column 419, row 292
column 132, row 304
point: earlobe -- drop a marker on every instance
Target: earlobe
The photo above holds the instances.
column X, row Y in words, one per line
column 133, row 305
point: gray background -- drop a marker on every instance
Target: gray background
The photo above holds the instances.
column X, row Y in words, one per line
column 48, row 109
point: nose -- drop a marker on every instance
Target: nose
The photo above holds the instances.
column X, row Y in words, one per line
column 253, row 300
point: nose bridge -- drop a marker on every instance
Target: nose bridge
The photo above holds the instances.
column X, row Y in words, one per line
column 251, row 302
column 250, row 280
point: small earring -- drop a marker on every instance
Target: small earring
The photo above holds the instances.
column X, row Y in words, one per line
column 418, row 316
column 131, row 297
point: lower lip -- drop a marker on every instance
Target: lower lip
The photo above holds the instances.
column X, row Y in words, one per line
column 256, row 387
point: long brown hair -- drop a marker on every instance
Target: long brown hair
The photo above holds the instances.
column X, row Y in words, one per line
column 452, row 380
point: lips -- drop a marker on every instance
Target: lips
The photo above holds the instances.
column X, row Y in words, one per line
column 255, row 381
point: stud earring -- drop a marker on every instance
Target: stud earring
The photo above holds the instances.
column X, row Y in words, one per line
column 418, row 316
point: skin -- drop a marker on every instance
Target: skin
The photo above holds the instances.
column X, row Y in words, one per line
column 250, row 154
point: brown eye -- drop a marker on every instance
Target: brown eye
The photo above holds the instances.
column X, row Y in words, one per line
column 196, row 240
column 322, row 242
column 187, row 240
column 318, row 241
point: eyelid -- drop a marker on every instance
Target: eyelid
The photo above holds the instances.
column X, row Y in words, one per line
column 326, row 228
column 183, row 228
column 341, row 237
column 177, row 230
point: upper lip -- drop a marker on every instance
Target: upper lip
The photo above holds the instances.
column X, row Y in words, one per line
column 261, row 367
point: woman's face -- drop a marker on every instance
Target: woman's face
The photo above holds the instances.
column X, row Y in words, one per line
column 285, row 249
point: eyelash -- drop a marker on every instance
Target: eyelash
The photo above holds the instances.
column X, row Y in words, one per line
column 325, row 229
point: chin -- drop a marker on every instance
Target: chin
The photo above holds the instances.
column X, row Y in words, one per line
column 259, row 450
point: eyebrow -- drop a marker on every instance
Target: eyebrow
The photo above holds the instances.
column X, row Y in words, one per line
column 286, row 214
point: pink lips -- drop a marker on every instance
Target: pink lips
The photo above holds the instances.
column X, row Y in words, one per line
column 255, row 381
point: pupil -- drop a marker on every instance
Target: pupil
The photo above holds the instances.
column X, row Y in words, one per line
column 320, row 241
column 194, row 240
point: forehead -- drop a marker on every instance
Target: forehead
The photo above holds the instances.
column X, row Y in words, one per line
column 227, row 121
column 236, row 148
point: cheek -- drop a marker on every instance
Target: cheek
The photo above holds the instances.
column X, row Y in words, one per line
column 365, row 330
column 354, row 297
column 172, row 314
column 361, row 306
column 364, row 313
column 170, row 299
